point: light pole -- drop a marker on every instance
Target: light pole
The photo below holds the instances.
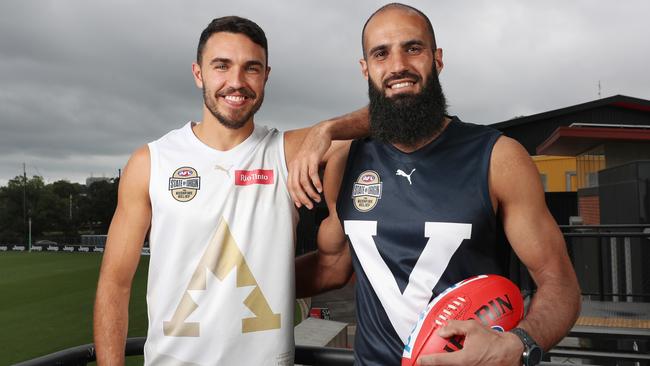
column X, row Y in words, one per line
column 24, row 196
column 29, row 242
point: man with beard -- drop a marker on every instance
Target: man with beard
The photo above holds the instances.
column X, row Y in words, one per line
column 416, row 207
column 214, row 195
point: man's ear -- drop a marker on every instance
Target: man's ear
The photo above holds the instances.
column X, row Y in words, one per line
column 364, row 68
column 196, row 72
column 437, row 58
column 268, row 71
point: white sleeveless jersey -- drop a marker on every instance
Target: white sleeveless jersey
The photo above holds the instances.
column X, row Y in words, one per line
column 221, row 271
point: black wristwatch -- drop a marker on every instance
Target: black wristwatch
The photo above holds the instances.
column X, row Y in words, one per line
column 533, row 353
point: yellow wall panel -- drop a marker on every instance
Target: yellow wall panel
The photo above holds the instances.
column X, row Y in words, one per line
column 556, row 169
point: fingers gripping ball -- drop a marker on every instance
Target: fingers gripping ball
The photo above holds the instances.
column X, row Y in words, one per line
column 493, row 300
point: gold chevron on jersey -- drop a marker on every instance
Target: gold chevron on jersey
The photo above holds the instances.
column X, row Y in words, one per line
column 221, row 257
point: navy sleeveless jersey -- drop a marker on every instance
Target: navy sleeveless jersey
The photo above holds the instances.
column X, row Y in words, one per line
column 417, row 223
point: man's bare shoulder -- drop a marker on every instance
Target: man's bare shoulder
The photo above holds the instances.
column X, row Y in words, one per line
column 140, row 156
column 510, row 160
column 513, row 175
column 507, row 153
column 137, row 170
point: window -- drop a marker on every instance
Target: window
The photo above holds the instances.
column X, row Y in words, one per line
column 588, row 165
column 570, row 181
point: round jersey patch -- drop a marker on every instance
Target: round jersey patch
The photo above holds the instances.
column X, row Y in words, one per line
column 366, row 191
column 184, row 184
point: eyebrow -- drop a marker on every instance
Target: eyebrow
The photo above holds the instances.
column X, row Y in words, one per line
column 229, row 61
column 404, row 44
column 220, row 59
column 412, row 42
column 381, row 47
column 254, row 63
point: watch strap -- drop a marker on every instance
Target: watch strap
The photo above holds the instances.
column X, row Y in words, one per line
column 526, row 339
column 529, row 345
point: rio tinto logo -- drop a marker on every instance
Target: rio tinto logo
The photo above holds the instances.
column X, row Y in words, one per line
column 257, row 176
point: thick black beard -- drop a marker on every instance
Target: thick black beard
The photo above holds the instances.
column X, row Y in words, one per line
column 225, row 121
column 407, row 119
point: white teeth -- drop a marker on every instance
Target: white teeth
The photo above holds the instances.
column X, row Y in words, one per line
column 235, row 98
column 401, row 85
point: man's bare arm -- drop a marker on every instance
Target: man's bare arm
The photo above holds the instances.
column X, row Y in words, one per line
column 331, row 265
column 122, row 254
column 307, row 148
column 539, row 244
column 517, row 192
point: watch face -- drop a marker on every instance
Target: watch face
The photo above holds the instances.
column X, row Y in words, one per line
column 534, row 356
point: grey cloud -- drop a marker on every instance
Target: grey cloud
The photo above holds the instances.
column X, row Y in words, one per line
column 85, row 83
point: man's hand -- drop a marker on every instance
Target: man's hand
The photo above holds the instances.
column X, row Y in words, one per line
column 306, row 148
column 482, row 346
column 304, row 182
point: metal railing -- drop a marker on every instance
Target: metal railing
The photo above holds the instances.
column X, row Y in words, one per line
column 82, row 355
column 610, row 260
column 307, row 355
column 615, row 266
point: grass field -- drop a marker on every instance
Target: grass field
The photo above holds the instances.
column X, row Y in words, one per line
column 46, row 303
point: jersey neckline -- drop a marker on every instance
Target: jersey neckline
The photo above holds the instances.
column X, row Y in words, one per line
column 250, row 142
column 418, row 154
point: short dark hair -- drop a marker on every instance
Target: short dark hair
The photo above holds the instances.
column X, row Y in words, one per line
column 233, row 24
column 401, row 6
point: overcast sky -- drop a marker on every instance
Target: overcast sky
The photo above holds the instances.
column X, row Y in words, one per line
column 84, row 83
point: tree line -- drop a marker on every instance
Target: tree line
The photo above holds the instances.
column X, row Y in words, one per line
column 59, row 211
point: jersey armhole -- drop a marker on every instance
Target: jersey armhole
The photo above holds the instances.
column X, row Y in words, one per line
column 354, row 145
column 153, row 162
column 283, row 157
column 485, row 189
column 283, row 170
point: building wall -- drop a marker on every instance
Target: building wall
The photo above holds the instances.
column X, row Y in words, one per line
column 589, row 206
column 588, row 165
column 624, row 196
column 554, row 171
column 620, row 153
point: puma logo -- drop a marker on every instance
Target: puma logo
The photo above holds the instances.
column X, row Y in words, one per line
column 224, row 168
column 400, row 172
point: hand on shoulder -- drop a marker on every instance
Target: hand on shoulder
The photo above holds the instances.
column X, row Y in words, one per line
column 305, row 149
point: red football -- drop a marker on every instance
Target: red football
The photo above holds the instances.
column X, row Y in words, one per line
column 493, row 300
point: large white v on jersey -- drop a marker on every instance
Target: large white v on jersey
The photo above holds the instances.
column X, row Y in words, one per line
column 403, row 309
column 221, row 273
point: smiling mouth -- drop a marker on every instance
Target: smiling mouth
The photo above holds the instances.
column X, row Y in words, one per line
column 235, row 98
column 401, row 80
column 403, row 84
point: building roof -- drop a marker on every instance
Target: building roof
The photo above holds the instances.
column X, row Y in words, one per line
column 574, row 140
column 621, row 101
column 532, row 131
